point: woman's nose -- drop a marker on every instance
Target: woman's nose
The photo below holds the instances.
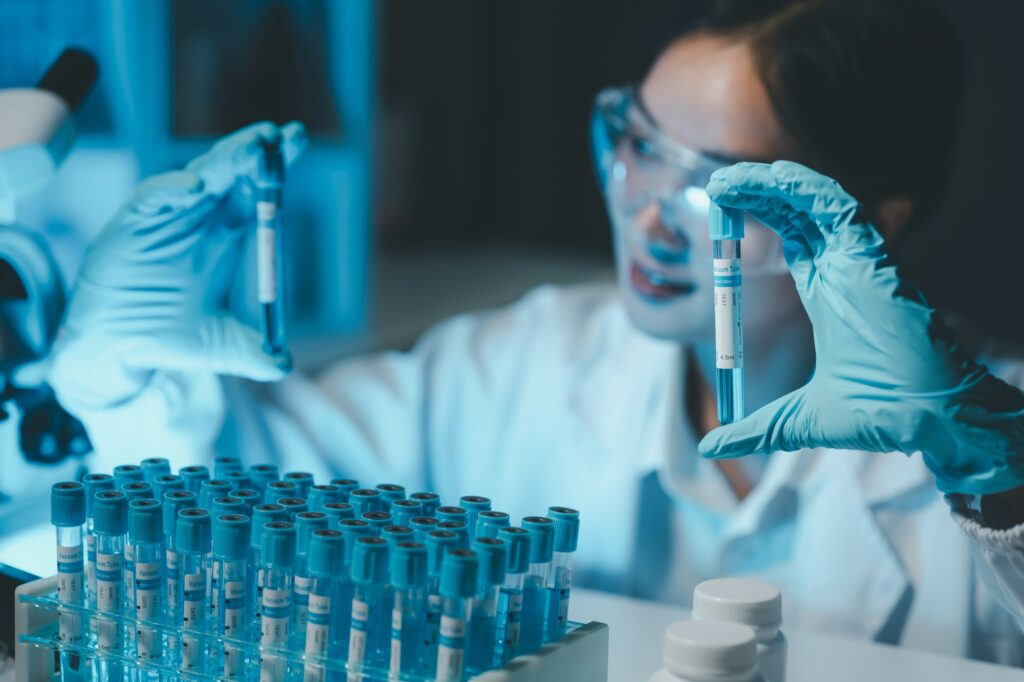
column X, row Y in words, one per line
column 662, row 241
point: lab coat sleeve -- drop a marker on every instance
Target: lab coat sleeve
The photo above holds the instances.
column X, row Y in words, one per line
column 999, row 556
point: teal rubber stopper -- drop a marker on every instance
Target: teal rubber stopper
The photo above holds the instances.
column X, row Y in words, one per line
column 262, row 514
column 145, row 521
column 326, row 552
column 137, row 490
column 491, row 555
column 439, row 543
column 174, row 501
column 192, row 532
column 725, row 223
column 542, row 536
column 459, row 574
column 231, row 535
column 110, row 512
column 517, row 549
column 67, row 504
column 93, row 483
column 567, row 528
column 278, row 550
column 370, row 561
column 488, row 523
column 408, row 565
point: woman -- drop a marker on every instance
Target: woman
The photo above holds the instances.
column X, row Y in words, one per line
column 593, row 397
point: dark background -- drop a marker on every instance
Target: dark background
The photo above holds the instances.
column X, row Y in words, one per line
column 487, row 105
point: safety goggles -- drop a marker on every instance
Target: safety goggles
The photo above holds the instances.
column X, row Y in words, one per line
column 641, row 169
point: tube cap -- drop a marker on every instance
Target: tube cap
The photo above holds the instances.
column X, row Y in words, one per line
column 336, row 512
column 319, row 495
column 225, row 464
column 458, row 574
column 517, row 548
column 93, row 483
column 475, row 503
column 491, row 555
column 262, row 514
column 174, row 501
column 279, row 490
column 194, row 476
column 724, row 223
column 192, row 531
column 698, row 649
column 326, row 552
column 270, row 163
column 567, row 528
column 293, row 506
column 430, row 502
column 262, row 474
column 303, row 481
column 408, row 565
column 145, row 521
column 155, row 466
column 391, row 492
column 137, row 490
column 421, row 525
column 542, row 536
column 231, row 534
column 110, row 512
column 305, row 523
column 165, row 482
column 67, row 504
column 377, row 520
column 126, row 473
column 278, row 548
column 370, row 561
column 396, row 534
column 438, row 543
column 459, row 528
column 211, row 488
column 238, row 480
column 488, row 523
column 450, row 514
column 347, row 485
column 227, row 504
column 404, row 510
column 352, row 530
column 250, row 497
column 364, row 500
column 752, row 603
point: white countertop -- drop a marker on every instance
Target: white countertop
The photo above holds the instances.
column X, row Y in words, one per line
column 637, row 627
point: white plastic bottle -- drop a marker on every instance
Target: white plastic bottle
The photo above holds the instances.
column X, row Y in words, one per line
column 753, row 603
column 708, row 651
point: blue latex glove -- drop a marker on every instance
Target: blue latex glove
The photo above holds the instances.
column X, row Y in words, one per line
column 888, row 375
column 149, row 299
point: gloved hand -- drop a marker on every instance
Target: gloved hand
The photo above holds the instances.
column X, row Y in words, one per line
column 150, row 296
column 888, row 376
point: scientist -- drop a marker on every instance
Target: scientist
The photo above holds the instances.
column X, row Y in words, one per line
column 599, row 397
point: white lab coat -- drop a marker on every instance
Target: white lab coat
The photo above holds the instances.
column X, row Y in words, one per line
column 558, row 399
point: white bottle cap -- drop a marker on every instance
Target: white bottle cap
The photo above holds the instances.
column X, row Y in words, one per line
column 710, row 650
column 738, row 600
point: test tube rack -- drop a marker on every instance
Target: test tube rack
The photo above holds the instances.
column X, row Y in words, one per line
column 581, row 657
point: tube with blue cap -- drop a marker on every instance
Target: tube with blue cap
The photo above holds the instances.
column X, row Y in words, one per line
column 458, row 585
column 556, row 607
column 269, row 263
column 725, row 226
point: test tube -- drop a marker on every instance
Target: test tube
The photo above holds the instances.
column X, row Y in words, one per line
column 542, row 533
column 92, row 483
column 559, row 585
column 67, row 514
column 238, row 480
column 370, row 634
column 269, row 185
column 277, row 561
column 336, row 512
column 174, row 501
column 127, row 473
column 510, row 598
column 364, row 500
column 458, row 584
column 726, row 227
column 347, row 485
column 133, row 490
column 221, row 506
column 211, row 488
column 319, row 495
column 326, row 565
column 262, row 474
column 192, row 542
column 305, row 523
column 430, row 502
column 231, row 534
column 277, row 490
column 194, row 477
column 165, row 482
column 403, row 511
column 303, row 481
column 490, row 577
column 421, row 525
column 474, row 504
column 391, row 492
column 438, row 543
column 408, row 569
column 145, row 530
column 262, row 514
column 351, row 530
column 110, row 510
column 488, row 523
column 153, row 467
column 225, row 464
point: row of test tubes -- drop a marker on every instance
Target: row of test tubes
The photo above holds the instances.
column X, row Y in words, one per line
column 187, row 573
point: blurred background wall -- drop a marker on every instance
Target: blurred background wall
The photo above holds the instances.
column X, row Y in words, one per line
column 449, row 167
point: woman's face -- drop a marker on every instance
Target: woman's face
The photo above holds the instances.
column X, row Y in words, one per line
column 702, row 93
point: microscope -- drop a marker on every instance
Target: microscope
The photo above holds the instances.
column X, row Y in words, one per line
column 36, row 133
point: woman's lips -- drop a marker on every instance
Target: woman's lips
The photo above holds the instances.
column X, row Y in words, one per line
column 653, row 286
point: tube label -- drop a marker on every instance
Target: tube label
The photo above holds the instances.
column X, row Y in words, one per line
column 395, row 666
column 129, row 572
column 357, row 635
column 172, row 580
column 450, row 651
column 276, row 610
column 266, row 252
column 90, row 564
column 728, row 293
column 147, row 607
column 69, row 590
column 301, row 585
column 317, row 624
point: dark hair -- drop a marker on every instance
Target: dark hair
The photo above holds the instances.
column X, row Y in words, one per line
column 868, row 89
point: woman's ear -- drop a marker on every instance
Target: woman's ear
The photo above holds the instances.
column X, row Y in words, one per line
column 893, row 215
